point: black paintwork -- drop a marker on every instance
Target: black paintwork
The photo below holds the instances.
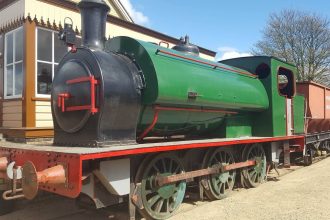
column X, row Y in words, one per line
column 185, row 47
column 118, row 98
column 93, row 22
column 67, row 34
column 118, row 95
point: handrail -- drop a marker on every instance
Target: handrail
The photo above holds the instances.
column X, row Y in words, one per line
column 206, row 63
column 63, row 96
column 162, row 108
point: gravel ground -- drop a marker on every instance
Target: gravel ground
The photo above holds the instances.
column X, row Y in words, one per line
column 303, row 194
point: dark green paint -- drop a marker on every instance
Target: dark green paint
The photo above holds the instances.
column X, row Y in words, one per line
column 180, row 122
column 239, row 126
column 271, row 122
column 169, row 79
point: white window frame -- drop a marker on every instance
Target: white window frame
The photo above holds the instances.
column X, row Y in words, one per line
column 13, row 64
column 53, row 63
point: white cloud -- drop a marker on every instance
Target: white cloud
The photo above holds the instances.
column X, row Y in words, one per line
column 137, row 16
column 229, row 52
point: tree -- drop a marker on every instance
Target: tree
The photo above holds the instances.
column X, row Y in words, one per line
column 300, row 38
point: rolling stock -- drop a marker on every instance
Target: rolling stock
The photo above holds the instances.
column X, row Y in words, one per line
column 137, row 122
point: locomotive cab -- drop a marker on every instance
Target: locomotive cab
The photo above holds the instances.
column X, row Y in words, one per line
column 286, row 113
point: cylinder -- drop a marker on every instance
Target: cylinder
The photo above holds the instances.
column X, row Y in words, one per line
column 93, row 23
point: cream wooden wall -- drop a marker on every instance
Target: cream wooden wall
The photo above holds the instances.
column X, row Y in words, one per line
column 51, row 12
column 43, row 114
column 12, row 114
column 57, row 14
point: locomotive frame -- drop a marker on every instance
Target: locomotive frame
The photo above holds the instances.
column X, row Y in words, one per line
column 73, row 160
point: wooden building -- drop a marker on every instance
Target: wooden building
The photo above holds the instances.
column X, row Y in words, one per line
column 30, row 52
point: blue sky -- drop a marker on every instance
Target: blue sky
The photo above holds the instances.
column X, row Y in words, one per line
column 228, row 27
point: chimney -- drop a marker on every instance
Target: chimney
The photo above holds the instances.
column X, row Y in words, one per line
column 93, row 22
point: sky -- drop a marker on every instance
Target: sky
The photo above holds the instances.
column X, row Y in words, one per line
column 229, row 27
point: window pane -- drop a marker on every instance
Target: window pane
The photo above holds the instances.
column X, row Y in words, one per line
column 60, row 49
column 19, row 45
column 44, row 45
column 9, row 80
column 18, row 78
column 44, row 78
column 9, row 48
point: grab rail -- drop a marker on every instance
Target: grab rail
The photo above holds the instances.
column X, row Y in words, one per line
column 206, row 63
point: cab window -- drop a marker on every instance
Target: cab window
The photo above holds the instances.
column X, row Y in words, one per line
column 285, row 81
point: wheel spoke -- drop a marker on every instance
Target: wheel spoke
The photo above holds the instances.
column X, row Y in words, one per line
column 220, row 184
column 153, row 200
column 174, row 196
column 259, row 177
column 160, row 202
column 255, row 173
column 217, row 180
column 167, row 205
column 255, row 177
column 148, row 191
column 177, row 169
column 159, row 205
column 156, row 168
column 227, row 186
column 148, row 183
column 215, row 161
column 257, row 151
column 164, row 165
column 170, row 166
column 221, row 156
column 222, row 189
